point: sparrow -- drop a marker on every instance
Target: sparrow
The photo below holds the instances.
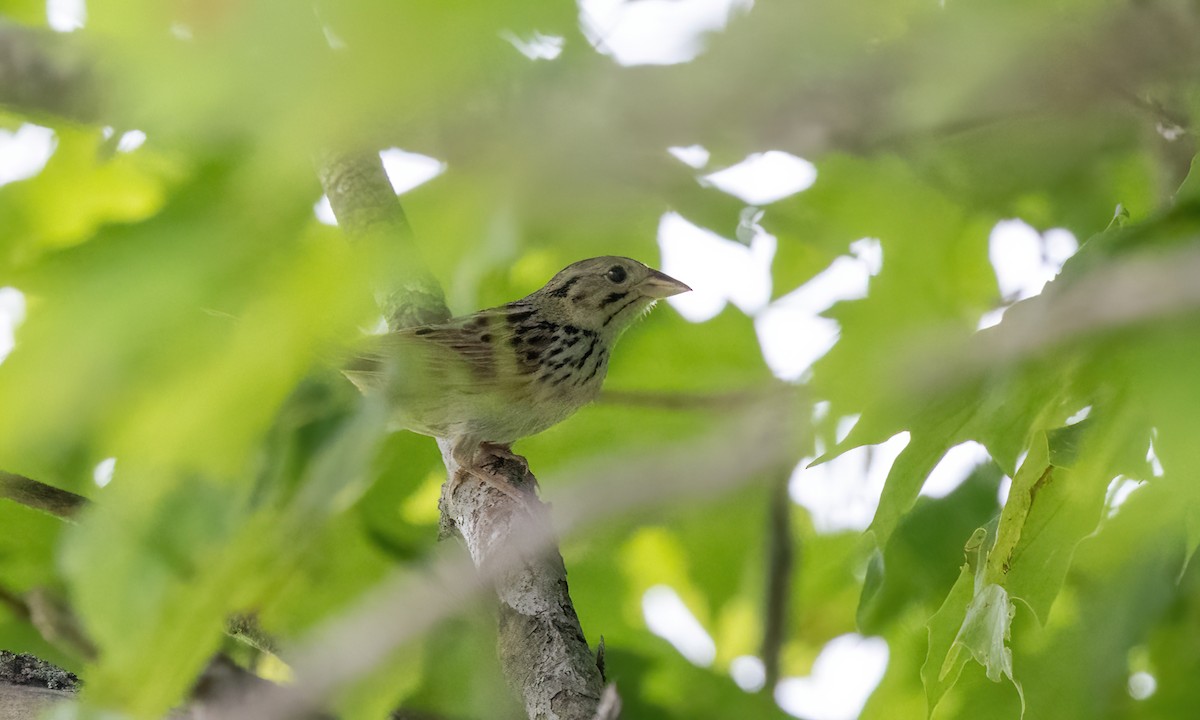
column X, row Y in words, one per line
column 485, row 380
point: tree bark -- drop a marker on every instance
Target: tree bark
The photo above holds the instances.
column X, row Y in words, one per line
column 545, row 655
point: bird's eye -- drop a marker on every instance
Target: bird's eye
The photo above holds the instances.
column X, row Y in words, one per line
column 616, row 273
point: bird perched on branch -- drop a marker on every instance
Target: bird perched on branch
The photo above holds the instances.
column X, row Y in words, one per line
column 486, row 380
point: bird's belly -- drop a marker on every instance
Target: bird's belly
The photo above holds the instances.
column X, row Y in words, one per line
column 500, row 417
column 528, row 415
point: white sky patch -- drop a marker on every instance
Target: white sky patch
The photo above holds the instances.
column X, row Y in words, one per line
column 1080, row 416
column 102, row 475
column 748, row 226
column 1142, row 685
column 653, row 32
column 1156, row 467
column 25, row 152
column 845, row 424
column 669, row 618
column 1169, row 131
column 870, row 252
column 793, row 338
column 954, row 467
column 407, row 170
column 537, row 47
column 66, row 15
column 1025, row 260
column 1060, row 245
column 324, row 211
column 12, row 314
column 844, row 675
column 1118, row 492
column 991, row 318
column 842, row 494
column 763, row 178
column 695, row 156
column 1003, row 489
column 791, row 331
column 748, row 672
column 130, row 141
column 718, row 270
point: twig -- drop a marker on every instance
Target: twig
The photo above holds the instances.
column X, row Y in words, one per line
column 40, row 496
column 780, row 559
column 689, row 401
column 47, row 74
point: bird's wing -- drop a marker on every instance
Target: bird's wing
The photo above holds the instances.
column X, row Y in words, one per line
column 467, row 355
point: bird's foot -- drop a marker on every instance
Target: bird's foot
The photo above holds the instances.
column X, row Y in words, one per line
column 498, row 481
column 501, row 454
column 487, row 464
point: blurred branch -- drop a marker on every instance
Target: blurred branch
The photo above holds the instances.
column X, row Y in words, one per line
column 780, row 559
column 1122, row 293
column 46, row 73
column 58, row 624
column 690, row 401
column 15, row 603
column 246, row 629
column 40, row 496
column 29, row 685
column 224, row 679
column 52, row 619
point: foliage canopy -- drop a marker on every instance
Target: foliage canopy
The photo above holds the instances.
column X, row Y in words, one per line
column 186, row 310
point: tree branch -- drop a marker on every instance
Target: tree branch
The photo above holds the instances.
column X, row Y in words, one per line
column 367, row 208
column 40, row 496
column 542, row 646
column 780, row 558
column 543, row 651
column 44, row 73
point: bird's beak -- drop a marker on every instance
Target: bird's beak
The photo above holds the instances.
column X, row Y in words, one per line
column 661, row 285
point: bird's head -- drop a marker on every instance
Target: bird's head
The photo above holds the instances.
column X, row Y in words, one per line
column 606, row 294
